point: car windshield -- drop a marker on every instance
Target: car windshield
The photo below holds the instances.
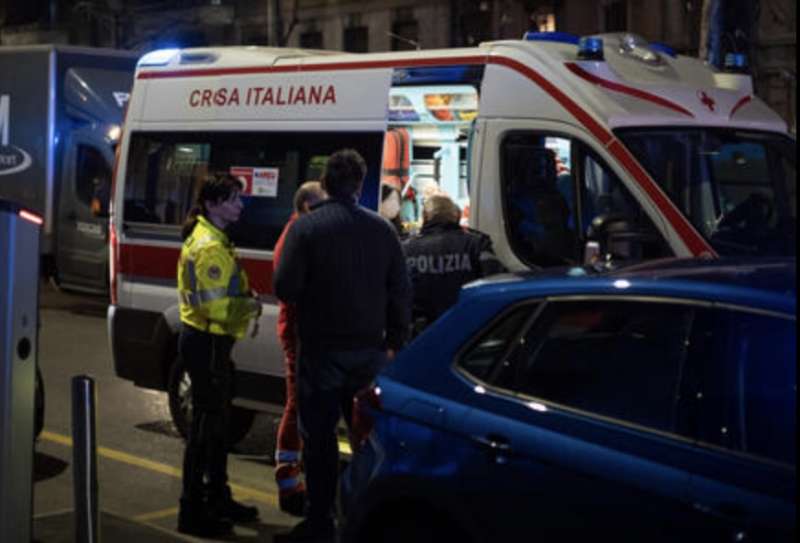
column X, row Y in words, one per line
column 738, row 188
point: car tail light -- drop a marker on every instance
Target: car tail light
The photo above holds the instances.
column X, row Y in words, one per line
column 364, row 403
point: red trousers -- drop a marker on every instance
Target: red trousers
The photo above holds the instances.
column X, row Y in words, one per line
column 287, row 456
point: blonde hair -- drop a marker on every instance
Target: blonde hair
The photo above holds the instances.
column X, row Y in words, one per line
column 309, row 192
column 440, row 208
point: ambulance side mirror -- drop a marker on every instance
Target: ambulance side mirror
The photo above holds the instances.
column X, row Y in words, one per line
column 614, row 238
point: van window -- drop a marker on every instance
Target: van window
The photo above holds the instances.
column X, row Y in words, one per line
column 553, row 187
column 615, row 359
column 165, row 171
column 92, row 178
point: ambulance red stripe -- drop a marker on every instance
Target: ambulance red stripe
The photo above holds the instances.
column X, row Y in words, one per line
column 630, row 91
column 693, row 240
column 740, row 104
column 155, row 262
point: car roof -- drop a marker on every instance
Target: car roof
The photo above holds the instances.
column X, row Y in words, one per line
column 765, row 284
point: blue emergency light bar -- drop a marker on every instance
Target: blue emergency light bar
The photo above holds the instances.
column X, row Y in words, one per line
column 664, row 48
column 466, row 74
column 591, row 48
column 160, row 57
column 556, row 37
column 736, row 62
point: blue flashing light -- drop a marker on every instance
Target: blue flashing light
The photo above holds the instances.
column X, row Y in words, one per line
column 591, row 48
column 736, row 62
column 664, row 48
column 466, row 74
column 557, row 37
column 160, row 57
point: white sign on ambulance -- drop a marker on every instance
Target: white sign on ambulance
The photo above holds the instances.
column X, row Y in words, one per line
column 259, row 182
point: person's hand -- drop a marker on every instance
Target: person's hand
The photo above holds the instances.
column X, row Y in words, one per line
column 390, row 355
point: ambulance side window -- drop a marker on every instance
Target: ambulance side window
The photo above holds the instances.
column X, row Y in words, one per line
column 553, row 188
column 602, row 193
column 165, row 172
column 539, row 199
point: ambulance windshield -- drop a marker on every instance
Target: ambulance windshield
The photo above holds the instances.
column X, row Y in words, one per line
column 738, row 188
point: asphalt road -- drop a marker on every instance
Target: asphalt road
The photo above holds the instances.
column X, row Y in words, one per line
column 139, row 452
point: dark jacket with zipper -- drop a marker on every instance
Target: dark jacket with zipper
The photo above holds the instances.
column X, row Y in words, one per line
column 343, row 266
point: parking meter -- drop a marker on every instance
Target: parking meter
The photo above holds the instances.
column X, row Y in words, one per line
column 19, row 302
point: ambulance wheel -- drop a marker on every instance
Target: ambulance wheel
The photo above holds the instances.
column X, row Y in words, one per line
column 179, row 389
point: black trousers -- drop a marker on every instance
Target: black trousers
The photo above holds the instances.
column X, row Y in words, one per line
column 205, row 462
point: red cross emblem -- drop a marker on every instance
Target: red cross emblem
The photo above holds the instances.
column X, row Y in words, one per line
column 709, row 102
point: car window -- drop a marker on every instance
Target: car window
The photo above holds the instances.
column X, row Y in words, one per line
column 746, row 391
column 165, row 171
column 488, row 352
column 611, row 358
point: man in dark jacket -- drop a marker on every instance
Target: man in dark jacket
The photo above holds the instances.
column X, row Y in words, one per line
column 443, row 257
column 344, row 268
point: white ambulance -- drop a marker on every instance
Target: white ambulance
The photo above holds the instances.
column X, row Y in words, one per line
column 536, row 139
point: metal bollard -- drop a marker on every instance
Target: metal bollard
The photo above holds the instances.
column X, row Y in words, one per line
column 84, row 460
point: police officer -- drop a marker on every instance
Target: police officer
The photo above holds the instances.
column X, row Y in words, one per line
column 443, row 257
column 216, row 307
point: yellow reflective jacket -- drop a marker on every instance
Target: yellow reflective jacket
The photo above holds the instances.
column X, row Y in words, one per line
column 213, row 289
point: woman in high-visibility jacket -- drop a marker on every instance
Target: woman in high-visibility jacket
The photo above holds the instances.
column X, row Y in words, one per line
column 216, row 307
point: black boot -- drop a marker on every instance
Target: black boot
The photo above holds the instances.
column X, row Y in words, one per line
column 293, row 504
column 197, row 519
column 234, row 511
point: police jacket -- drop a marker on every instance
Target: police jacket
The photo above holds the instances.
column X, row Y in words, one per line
column 213, row 289
column 442, row 258
column 343, row 266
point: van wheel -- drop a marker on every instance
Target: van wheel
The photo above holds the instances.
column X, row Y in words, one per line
column 179, row 389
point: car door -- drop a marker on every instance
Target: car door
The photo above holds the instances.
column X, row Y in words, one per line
column 742, row 376
column 82, row 254
column 577, row 430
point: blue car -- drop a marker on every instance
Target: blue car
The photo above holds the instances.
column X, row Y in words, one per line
column 656, row 403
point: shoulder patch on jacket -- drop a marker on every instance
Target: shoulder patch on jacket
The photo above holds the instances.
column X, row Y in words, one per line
column 214, row 272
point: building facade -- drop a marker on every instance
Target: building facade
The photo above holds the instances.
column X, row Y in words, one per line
column 386, row 25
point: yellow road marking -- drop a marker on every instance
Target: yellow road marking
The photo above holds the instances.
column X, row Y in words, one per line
column 155, row 515
column 239, row 491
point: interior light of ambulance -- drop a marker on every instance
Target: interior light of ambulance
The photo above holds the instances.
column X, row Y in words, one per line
column 591, row 48
column 401, row 109
column 452, row 107
column 557, row 37
column 161, row 57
